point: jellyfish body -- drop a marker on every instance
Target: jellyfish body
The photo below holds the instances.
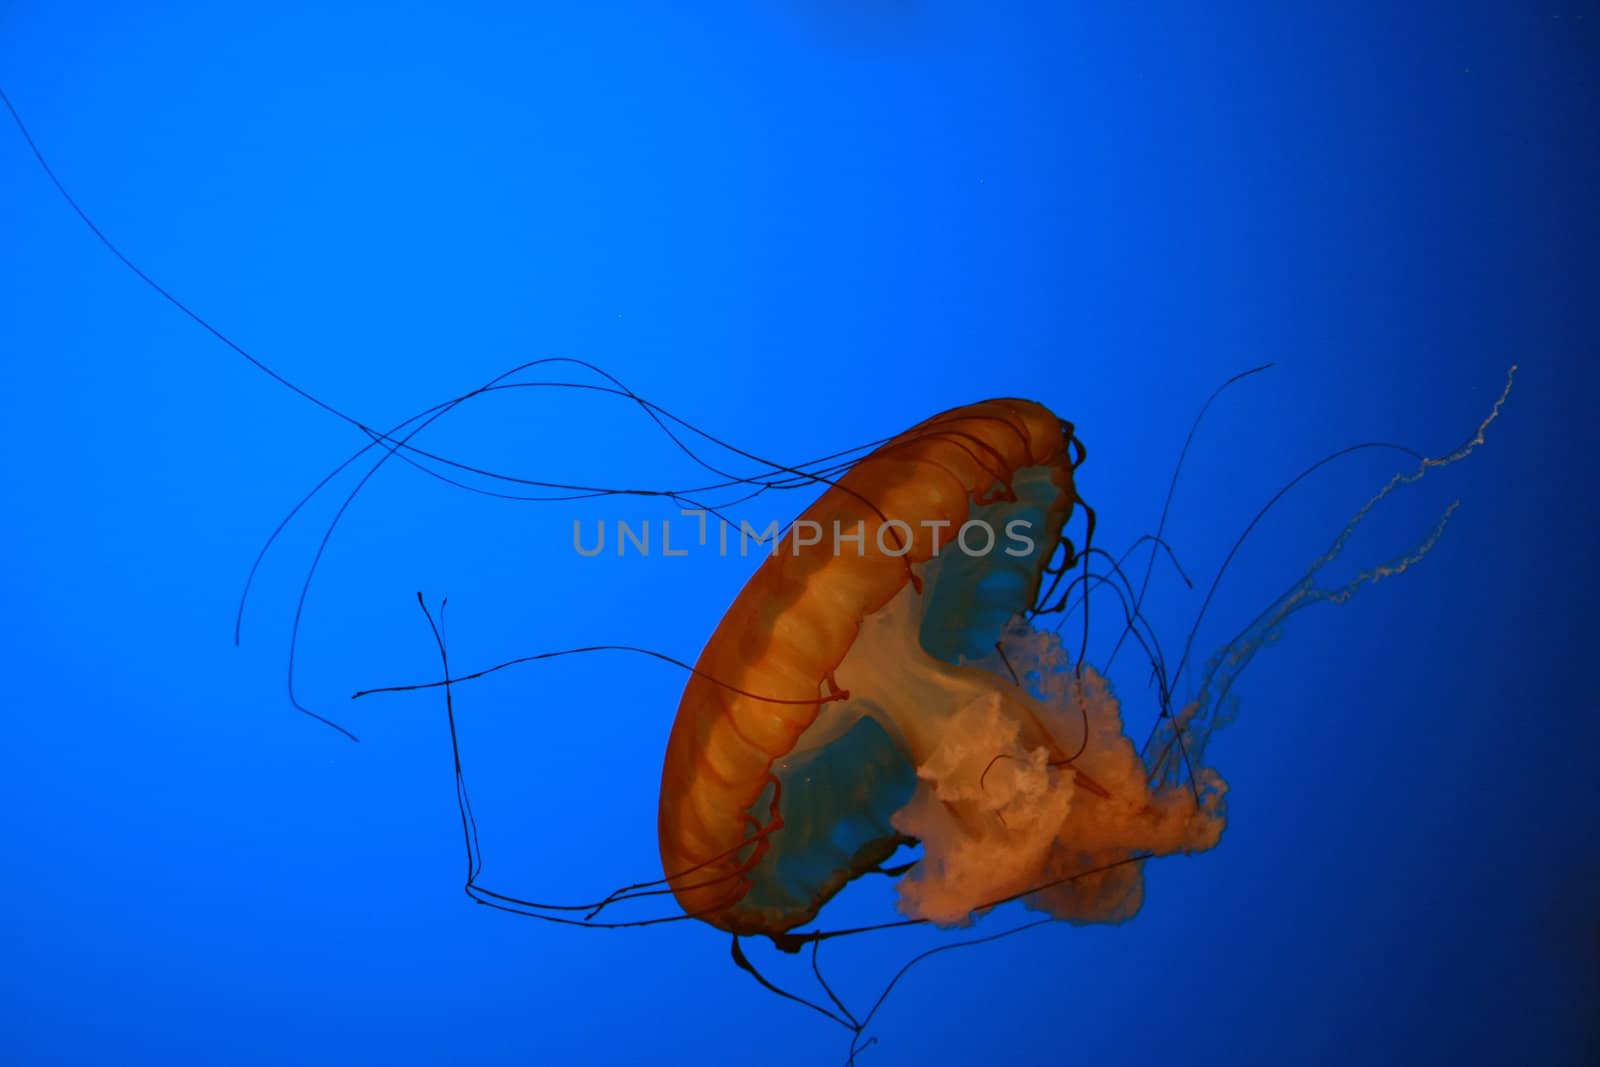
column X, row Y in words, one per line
column 880, row 685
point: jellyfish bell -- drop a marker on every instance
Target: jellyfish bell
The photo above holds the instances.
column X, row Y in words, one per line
column 889, row 682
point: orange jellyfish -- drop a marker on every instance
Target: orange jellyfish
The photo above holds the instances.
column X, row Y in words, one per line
column 880, row 682
column 888, row 677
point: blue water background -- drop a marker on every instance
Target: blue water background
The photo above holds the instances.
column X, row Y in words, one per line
column 800, row 226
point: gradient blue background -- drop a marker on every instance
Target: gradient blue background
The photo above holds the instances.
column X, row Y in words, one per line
column 801, row 225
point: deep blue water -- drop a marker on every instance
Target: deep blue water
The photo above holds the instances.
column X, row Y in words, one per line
column 800, row 226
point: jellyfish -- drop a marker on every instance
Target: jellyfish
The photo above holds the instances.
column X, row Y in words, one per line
column 887, row 678
column 890, row 677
